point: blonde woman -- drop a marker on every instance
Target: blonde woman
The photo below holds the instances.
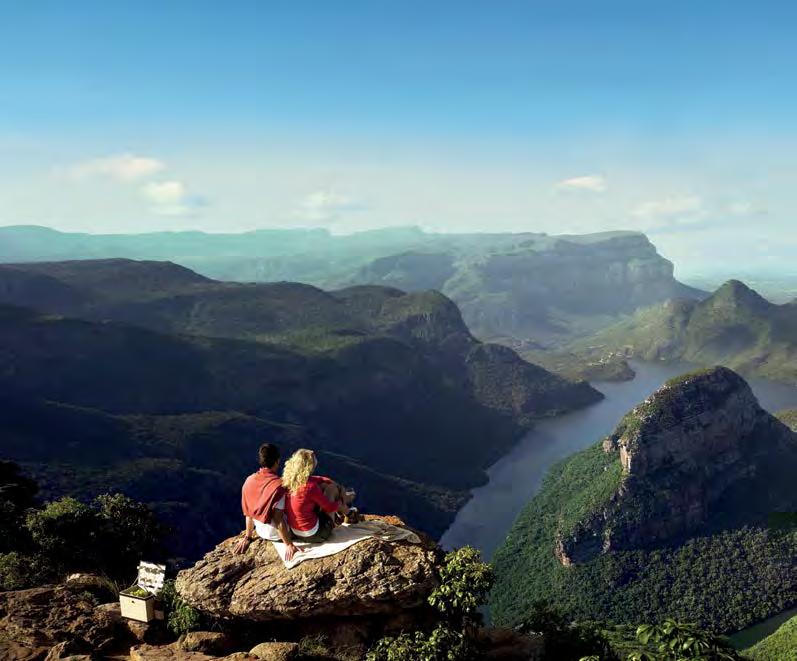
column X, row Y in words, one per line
column 312, row 500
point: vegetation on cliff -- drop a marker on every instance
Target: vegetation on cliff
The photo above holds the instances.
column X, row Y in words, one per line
column 624, row 546
column 107, row 536
column 734, row 327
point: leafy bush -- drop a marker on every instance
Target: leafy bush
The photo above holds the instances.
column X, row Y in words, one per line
column 672, row 641
column 67, row 532
column 19, row 570
column 130, row 529
column 180, row 616
column 314, row 645
column 108, row 536
column 442, row 644
column 465, row 583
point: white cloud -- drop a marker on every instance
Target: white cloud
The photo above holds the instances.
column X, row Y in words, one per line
column 121, row 167
column 170, row 198
column 739, row 208
column 744, row 208
column 671, row 210
column 327, row 205
column 594, row 183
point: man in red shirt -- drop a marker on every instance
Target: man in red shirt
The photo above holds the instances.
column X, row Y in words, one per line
column 263, row 503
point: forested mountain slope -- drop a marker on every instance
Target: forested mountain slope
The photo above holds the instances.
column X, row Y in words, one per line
column 735, row 327
column 670, row 516
column 156, row 381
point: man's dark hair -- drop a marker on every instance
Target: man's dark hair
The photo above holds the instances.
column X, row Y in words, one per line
column 268, row 455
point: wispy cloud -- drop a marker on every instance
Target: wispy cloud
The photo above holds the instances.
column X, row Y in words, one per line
column 121, row 167
column 171, row 198
column 327, row 206
column 671, row 210
column 166, row 197
column 593, row 183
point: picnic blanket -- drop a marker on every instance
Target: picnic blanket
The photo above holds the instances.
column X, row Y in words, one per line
column 343, row 537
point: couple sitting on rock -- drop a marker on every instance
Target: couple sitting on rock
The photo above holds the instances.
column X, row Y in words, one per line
column 299, row 507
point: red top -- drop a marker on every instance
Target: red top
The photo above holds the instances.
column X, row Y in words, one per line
column 259, row 494
column 300, row 505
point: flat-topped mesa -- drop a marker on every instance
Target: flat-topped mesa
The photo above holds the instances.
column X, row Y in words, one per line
column 687, row 456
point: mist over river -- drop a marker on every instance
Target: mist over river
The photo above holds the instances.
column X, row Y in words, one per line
column 486, row 518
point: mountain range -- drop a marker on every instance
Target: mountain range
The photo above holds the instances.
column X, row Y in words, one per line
column 148, row 378
column 526, row 286
column 735, row 326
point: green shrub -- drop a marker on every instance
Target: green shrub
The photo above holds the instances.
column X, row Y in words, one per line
column 465, row 583
column 130, row 531
column 442, row 644
column 672, row 641
column 180, row 616
column 109, row 536
column 19, row 571
column 68, row 533
column 314, row 645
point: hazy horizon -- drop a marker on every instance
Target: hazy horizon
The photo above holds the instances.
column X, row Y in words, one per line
column 676, row 120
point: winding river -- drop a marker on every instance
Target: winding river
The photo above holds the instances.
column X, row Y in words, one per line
column 485, row 519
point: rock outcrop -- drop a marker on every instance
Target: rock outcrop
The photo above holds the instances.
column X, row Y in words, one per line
column 685, row 455
column 370, row 578
column 34, row 621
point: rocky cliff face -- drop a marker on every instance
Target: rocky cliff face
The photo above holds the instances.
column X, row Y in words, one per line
column 551, row 293
column 687, row 454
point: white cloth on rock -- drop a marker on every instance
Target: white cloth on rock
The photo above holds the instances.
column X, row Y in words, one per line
column 343, row 537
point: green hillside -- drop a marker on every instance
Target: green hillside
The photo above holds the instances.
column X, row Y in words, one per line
column 779, row 646
column 663, row 518
column 734, row 327
column 163, row 391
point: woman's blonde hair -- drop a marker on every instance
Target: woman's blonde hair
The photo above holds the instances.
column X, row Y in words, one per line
column 298, row 469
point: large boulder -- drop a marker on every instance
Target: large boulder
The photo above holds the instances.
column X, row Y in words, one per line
column 370, row 578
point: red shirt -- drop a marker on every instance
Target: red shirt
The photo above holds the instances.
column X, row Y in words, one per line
column 300, row 506
column 259, row 494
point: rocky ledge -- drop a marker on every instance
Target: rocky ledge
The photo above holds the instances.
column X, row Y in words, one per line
column 372, row 577
column 332, row 608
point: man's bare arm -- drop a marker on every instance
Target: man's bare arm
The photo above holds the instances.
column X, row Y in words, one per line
column 281, row 524
column 243, row 543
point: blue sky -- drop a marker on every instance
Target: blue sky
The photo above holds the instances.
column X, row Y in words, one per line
column 675, row 118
